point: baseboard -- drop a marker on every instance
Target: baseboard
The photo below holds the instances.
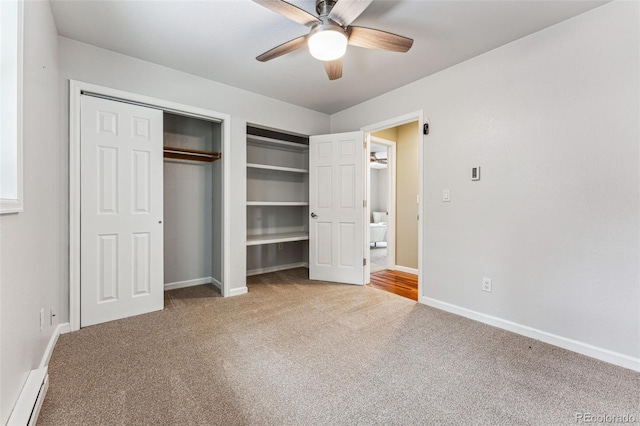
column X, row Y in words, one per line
column 582, row 348
column 407, row 270
column 188, row 283
column 277, row 268
column 216, row 283
column 60, row 329
column 27, row 408
column 237, row 291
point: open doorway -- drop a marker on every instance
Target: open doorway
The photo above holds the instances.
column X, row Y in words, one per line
column 394, row 207
column 382, row 174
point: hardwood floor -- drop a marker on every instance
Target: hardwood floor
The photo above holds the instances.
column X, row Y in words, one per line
column 396, row 282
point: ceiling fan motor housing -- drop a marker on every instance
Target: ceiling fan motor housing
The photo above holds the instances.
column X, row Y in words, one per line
column 323, row 7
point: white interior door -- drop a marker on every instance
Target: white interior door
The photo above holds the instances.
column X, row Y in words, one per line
column 121, row 231
column 336, row 206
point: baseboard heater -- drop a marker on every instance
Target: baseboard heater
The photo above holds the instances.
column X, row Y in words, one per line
column 26, row 411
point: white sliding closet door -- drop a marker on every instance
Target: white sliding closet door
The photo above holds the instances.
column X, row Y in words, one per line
column 121, row 210
column 336, row 206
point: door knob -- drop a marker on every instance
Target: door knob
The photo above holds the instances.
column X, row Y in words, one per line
column 313, row 215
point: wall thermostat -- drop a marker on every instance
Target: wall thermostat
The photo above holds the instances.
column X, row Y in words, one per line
column 475, row 173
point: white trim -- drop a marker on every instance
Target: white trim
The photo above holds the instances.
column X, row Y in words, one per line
column 602, row 354
column 39, row 401
column 27, row 408
column 399, row 121
column 405, row 269
column 277, row 268
column 16, row 205
column 238, row 291
column 216, row 283
column 225, row 286
column 60, row 329
column 187, row 283
column 75, row 90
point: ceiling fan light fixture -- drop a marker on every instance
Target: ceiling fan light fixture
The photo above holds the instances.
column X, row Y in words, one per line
column 328, row 44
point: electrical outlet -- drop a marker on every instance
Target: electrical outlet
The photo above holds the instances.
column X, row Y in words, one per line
column 41, row 319
column 280, row 246
column 486, row 284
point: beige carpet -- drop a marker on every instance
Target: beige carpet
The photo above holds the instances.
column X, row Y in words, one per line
column 295, row 352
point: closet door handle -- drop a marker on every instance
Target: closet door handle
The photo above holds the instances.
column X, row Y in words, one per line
column 159, row 221
column 313, row 215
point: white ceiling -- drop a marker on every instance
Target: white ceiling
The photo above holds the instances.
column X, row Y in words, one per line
column 219, row 40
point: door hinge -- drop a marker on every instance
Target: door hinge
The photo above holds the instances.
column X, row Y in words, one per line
column 364, row 203
column 364, row 144
column 364, row 262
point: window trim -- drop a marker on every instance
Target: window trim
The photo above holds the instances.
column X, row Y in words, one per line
column 15, row 205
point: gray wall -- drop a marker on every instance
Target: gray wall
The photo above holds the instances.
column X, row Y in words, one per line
column 552, row 119
column 379, row 190
column 382, row 189
column 373, row 192
column 32, row 245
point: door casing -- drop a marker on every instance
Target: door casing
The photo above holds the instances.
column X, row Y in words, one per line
column 394, row 122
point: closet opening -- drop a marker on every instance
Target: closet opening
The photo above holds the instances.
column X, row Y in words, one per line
column 193, row 231
column 277, row 201
column 149, row 203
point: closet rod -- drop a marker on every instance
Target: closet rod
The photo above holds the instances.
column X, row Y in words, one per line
column 191, row 154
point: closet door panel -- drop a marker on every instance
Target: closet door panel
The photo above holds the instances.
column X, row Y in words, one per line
column 121, row 210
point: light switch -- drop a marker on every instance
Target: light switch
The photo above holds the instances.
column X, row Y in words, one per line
column 446, row 195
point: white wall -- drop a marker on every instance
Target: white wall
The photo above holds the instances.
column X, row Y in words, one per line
column 552, row 119
column 31, row 249
column 83, row 62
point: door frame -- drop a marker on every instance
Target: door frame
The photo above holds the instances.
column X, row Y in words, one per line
column 394, row 122
column 76, row 88
column 391, row 200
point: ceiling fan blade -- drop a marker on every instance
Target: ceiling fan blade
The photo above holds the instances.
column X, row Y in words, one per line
column 346, row 11
column 284, row 48
column 290, row 11
column 333, row 69
column 377, row 39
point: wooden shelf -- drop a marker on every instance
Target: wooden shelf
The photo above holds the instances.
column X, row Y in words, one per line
column 275, row 168
column 254, row 240
column 275, row 143
column 277, row 203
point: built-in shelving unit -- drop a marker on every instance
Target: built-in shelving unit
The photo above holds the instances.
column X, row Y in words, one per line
column 277, row 200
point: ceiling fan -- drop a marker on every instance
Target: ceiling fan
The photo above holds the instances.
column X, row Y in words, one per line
column 331, row 32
